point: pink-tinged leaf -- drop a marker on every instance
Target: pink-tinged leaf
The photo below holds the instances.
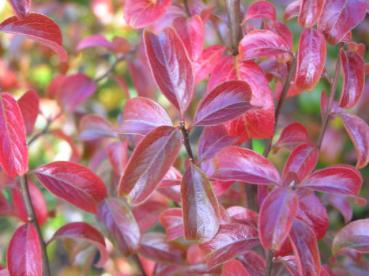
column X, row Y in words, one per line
column 75, row 151
column 147, row 214
column 311, row 58
column 171, row 178
column 208, row 60
column 262, row 10
column 142, row 78
column 358, row 131
column 213, row 139
column 37, row 27
column 82, row 231
column 141, row 115
column 310, row 11
column 242, row 215
column 149, row 163
column 239, row 164
column 170, row 66
column 353, row 68
column 75, row 90
column 141, row 13
column 95, row 41
column 234, row 268
column 74, row 183
column 120, row 223
column 284, row 31
column 38, row 203
column 254, row 263
column 314, row 214
column 24, row 252
column 305, row 247
column 172, row 221
column 93, row 127
column 199, row 204
column 29, row 105
column 354, row 235
column 338, row 179
column 13, row 146
column 341, row 203
column 292, row 10
column 191, row 30
column 155, row 247
column 231, row 240
column 337, row 19
column 292, row 135
column 276, row 216
column 290, row 264
column 227, row 101
column 300, row 163
column 21, row 7
column 118, row 155
column 260, row 43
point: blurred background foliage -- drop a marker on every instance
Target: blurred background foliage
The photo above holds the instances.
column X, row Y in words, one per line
column 26, row 65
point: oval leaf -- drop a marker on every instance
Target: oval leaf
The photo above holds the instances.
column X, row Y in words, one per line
column 292, row 135
column 13, row 153
column 74, row 183
column 227, row 101
column 93, row 127
column 170, row 66
column 234, row 267
column 141, row 115
column 262, row 10
column 172, row 221
column 120, row 223
column 149, row 163
column 24, row 252
column 199, row 204
column 311, row 58
column 277, row 213
column 309, row 12
column 84, row 232
column 239, row 164
column 37, row 27
column 29, row 104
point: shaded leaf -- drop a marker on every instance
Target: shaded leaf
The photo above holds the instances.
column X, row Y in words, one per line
column 260, row 9
column 147, row 214
column 292, row 135
column 118, row 155
column 234, row 268
column 29, row 105
column 93, row 127
column 292, row 10
column 172, row 221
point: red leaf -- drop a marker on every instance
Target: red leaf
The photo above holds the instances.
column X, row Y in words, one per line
column 93, row 127
column 213, row 139
column 300, row 163
column 37, row 27
column 260, row 43
column 277, row 213
column 292, row 135
column 314, row 214
column 232, row 239
column 227, row 101
column 142, row 78
column 292, row 10
column 337, row 19
column 141, row 115
column 254, row 264
column 311, row 58
column 353, row 236
column 239, row 164
column 149, row 163
column 260, row 9
column 358, row 130
column 353, row 68
column 172, row 221
column 24, row 252
column 171, row 67
column 191, row 30
column 82, row 231
column 154, row 246
column 120, row 223
column 38, row 203
column 93, row 41
column 75, row 90
column 310, row 11
column 13, row 146
column 141, row 13
column 338, row 179
column 21, row 7
column 29, row 105
column 199, row 204
column 73, row 183
column 234, row 268
column 305, row 247
column 147, row 214
column 208, row 60
column 118, row 155
column 341, row 203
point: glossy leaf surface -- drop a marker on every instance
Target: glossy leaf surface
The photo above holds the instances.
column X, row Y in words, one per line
column 260, row 9
column 149, row 163
column 74, row 183
column 310, row 11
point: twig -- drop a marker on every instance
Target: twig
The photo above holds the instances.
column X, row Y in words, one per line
column 110, row 69
column 139, row 264
column 234, row 19
column 332, row 92
column 45, row 130
column 186, row 139
column 33, row 220
column 269, row 263
column 187, row 7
